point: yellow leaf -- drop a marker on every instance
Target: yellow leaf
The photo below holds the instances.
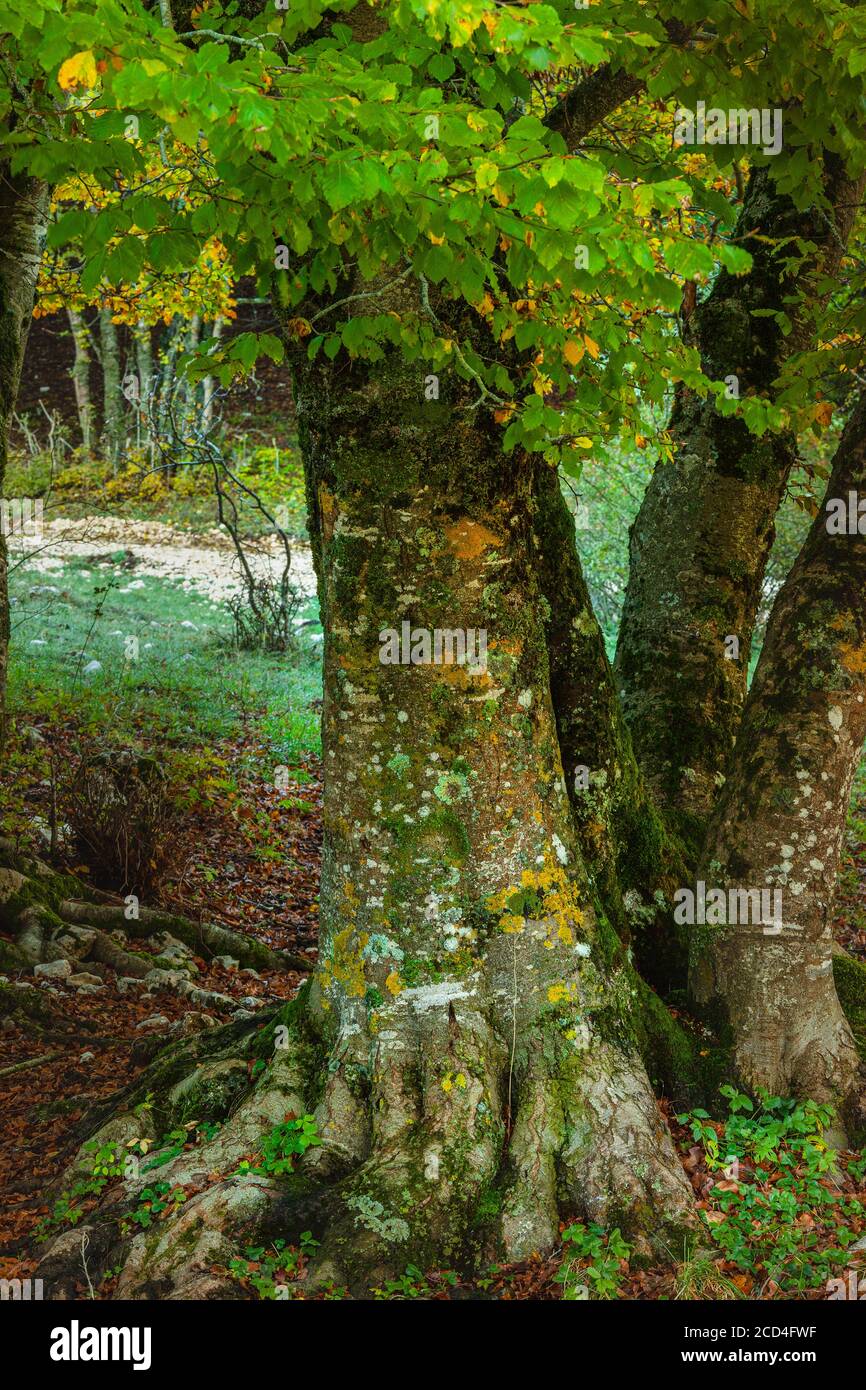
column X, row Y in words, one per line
column 436, row 240
column 592, row 347
column 78, row 71
column 573, row 351
column 583, row 442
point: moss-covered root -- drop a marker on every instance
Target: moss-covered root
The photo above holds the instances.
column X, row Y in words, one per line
column 495, row 1106
column 205, row 1078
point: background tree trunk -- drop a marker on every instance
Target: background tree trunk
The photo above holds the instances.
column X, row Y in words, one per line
column 700, row 543
column 81, row 377
column 112, row 399
column 23, row 216
column 781, row 817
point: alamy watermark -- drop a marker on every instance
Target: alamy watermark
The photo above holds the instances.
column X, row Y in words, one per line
column 738, row 126
column 846, row 516
column 424, row 646
column 20, row 1290
column 21, row 516
column 717, row 907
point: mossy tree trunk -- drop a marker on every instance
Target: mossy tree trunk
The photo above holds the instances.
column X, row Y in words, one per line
column 23, row 214
column 476, row 1008
column 781, row 817
column 634, row 860
column 700, row 543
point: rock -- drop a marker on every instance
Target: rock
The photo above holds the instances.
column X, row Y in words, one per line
column 77, row 942
column 253, row 974
column 124, row 983
column 53, row 969
column 155, row 1021
column 10, row 883
column 92, row 668
column 210, row 998
column 87, row 1057
column 173, row 962
column 169, row 944
column 190, row 1024
column 250, row 1001
column 88, row 989
column 240, row 1015
column 84, row 978
column 227, row 962
column 164, row 979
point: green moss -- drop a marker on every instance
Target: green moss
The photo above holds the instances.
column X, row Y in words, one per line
column 681, row 1060
column 850, row 978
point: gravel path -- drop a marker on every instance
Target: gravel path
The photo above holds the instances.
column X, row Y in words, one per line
column 205, row 563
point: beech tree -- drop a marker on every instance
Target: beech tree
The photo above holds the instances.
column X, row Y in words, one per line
column 477, row 285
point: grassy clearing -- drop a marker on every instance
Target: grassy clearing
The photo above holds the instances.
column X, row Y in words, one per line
column 184, row 691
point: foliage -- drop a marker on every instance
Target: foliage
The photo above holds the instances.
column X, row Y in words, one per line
column 283, row 1145
column 274, row 1271
column 778, row 1215
column 396, row 150
column 590, row 1253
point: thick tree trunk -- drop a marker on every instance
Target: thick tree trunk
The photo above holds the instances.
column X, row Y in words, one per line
column 23, row 214
column 469, row 1041
column 781, row 817
column 701, row 541
column 472, row 994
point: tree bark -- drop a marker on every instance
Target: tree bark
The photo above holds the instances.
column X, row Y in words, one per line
column 112, row 400
column 23, row 216
column 81, row 377
column 781, row 818
column 700, row 543
column 635, row 862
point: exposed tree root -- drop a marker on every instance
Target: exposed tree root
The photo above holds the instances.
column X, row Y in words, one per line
column 38, row 905
column 499, row 1123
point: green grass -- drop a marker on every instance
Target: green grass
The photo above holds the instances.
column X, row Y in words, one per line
column 187, row 688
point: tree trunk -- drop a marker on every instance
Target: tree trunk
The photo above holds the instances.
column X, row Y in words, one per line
column 471, row 993
column 634, row 861
column 700, row 543
column 81, row 377
column 112, row 400
column 23, row 216
column 781, row 817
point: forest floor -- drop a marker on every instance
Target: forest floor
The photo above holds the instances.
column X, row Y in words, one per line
column 246, row 855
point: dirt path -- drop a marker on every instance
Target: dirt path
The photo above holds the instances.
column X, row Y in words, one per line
column 205, row 564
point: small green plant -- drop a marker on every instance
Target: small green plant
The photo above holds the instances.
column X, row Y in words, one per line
column 283, row 1145
column 593, row 1262
column 273, row 1269
column 413, row 1284
column 778, row 1215
column 68, row 1209
column 157, row 1201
